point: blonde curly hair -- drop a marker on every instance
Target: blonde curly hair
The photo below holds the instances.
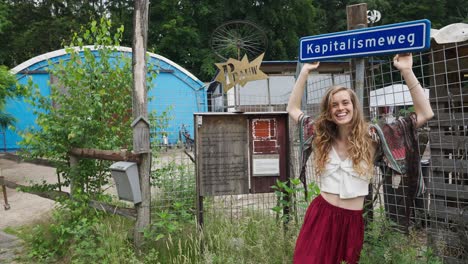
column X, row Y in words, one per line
column 326, row 131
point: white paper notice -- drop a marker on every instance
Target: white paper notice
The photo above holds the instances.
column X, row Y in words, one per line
column 265, row 166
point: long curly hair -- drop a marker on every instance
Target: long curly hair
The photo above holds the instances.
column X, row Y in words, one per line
column 326, row 131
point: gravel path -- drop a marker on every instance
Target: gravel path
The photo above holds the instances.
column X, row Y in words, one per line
column 9, row 247
column 24, row 208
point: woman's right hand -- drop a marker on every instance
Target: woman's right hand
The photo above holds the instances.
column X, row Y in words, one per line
column 308, row 67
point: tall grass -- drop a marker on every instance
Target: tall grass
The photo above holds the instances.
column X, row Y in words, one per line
column 253, row 239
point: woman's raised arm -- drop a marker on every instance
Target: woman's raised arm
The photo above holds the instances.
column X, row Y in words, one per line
column 422, row 107
column 294, row 104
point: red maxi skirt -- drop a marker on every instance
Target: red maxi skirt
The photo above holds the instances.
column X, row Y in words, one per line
column 329, row 235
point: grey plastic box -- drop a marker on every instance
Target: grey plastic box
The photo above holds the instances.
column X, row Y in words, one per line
column 126, row 179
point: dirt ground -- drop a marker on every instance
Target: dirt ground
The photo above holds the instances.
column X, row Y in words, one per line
column 24, row 208
column 28, row 208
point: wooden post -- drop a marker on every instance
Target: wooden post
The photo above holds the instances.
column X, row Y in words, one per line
column 140, row 111
column 357, row 18
column 5, row 196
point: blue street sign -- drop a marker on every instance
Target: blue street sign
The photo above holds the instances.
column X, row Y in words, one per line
column 395, row 38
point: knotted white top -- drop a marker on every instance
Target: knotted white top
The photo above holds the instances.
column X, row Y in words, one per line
column 340, row 178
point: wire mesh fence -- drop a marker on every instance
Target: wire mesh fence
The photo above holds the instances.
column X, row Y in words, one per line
column 439, row 215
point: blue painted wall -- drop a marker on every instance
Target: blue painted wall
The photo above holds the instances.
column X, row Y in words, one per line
column 174, row 90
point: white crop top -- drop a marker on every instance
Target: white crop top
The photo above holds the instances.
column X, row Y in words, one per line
column 340, row 178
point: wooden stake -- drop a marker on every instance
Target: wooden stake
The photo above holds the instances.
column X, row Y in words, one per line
column 140, row 110
column 357, row 18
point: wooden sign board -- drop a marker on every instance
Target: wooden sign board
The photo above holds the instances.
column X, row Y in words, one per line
column 240, row 153
column 222, row 162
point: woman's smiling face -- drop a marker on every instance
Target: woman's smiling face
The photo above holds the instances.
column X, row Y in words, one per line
column 341, row 108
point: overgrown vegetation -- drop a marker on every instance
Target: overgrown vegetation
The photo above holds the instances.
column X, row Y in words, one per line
column 384, row 243
column 89, row 107
column 174, row 237
column 181, row 30
column 255, row 238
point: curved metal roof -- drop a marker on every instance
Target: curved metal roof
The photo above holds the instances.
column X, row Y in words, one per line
column 42, row 60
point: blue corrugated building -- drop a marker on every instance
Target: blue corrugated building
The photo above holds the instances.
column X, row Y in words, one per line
column 174, row 88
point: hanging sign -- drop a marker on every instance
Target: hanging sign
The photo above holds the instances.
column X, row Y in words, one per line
column 395, row 38
column 240, row 72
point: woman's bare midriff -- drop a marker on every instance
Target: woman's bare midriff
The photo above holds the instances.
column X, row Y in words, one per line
column 351, row 204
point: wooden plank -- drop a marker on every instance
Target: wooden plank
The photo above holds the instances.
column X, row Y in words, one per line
column 105, row 154
column 42, row 162
column 448, row 190
column 56, row 195
column 440, row 140
column 454, row 88
column 437, row 177
column 448, row 165
column 449, row 98
column 444, row 212
column 448, row 119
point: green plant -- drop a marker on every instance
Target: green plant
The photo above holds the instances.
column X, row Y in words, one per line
column 405, row 112
column 384, row 243
column 289, row 200
column 174, row 201
column 70, row 238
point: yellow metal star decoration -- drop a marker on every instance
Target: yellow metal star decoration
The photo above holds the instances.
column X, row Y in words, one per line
column 240, row 72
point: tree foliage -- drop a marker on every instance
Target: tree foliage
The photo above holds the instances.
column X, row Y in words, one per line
column 7, row 90
column 181, row 30
column 7, row 85
column 32, row 27
column 89, row 106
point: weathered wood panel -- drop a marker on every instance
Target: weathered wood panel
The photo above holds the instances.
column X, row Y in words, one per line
column 448, row 190
column 442, row 141
column 222, row 161
column 455, row 165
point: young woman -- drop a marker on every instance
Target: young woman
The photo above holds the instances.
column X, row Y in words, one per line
column 344, row 151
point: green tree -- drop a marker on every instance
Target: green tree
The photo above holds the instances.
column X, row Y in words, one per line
column 3, row 16
column 89, row 107
column 31, row 27
column 181, row 30
column 7, row 90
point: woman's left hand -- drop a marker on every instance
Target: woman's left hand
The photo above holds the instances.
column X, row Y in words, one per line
column 403, row 61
